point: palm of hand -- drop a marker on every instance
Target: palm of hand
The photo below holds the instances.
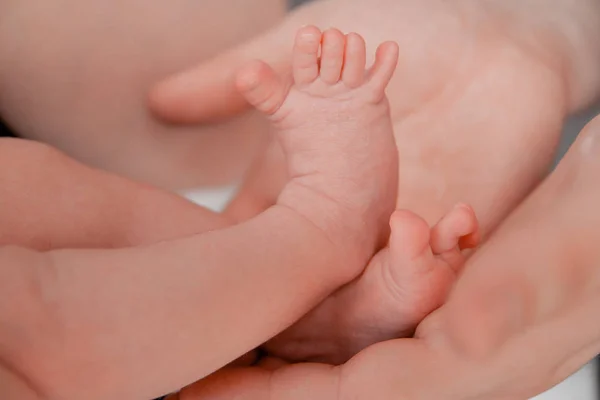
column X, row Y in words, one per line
column 476, row 119
column 476, row 115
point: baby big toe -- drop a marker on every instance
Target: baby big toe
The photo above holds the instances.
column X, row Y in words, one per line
column 409, row 240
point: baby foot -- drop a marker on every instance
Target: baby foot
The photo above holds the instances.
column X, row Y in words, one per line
column 332, row 120
column 421, row 265
column 402, row 284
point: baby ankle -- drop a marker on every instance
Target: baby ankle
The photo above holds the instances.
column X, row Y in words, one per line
column 352, row 236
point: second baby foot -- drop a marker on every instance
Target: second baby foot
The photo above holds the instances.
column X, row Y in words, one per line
column 402, row 284
column 332, row 120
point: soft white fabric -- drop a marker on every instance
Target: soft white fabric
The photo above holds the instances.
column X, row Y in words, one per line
column 214, row 199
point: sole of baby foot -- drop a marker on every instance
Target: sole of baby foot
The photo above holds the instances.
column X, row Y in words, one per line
column 332, row 120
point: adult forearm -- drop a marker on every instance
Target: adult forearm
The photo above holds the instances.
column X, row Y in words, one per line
column 563, row 33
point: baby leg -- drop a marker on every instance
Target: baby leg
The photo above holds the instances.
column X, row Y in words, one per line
column 330, row 119
column 177, row 301
column 51, row 201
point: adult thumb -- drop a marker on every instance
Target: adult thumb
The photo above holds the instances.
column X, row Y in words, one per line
column 207, row 92
column 293, row 382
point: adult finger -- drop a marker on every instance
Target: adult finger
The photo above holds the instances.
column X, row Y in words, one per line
column 207, row 92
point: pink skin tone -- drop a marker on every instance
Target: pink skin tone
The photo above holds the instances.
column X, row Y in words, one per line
column 76, row 295
column 545, row 51
column 530, row 80
column 320, row 234
column 422, row 264
column 76, row 75
column 450, row 79
column 458, row 63
column 446, row 163
column 401, row 285
column 39, row 186
column 491, row 339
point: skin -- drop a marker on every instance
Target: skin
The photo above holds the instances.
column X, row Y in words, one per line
column 76, row 76
column 524, row 68
column 77, row 295
column 401, row 285
column 419, row 262
column 448, row 102
column 546, row 52
column 433, row 178
column 111, row 211
column 490, row 340
column 299, row 248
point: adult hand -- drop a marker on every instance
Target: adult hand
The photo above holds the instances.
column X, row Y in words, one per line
column 478, row 99
column 478, row 102
column 72, row 80
column 519, row 321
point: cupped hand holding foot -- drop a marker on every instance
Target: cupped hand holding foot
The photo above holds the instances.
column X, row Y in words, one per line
column 519, row 320
column 406, row 281
column 332, row 98
column 477, row 104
